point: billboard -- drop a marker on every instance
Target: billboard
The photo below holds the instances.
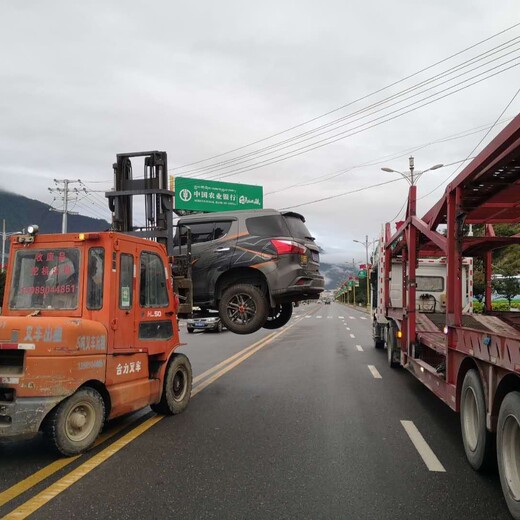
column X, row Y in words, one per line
column 201, row 195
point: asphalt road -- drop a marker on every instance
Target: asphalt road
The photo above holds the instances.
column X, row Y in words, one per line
column 305, row 424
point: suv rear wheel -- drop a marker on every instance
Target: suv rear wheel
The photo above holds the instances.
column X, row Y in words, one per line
column 279, row 316
column 243, row 309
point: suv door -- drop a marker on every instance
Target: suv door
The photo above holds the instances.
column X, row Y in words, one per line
column 213, row 245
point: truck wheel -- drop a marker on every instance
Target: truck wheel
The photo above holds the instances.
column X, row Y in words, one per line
column 243, row 309
column 279, row 316
column 176, row 387
column 378, row 343
column 391, row 347
column 477, row 440
column 508, row 451
column 73, row 426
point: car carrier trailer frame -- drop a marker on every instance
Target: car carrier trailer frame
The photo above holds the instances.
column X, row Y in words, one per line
column 471, row 362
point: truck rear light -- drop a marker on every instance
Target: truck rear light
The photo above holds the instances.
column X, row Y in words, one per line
column 288, row 247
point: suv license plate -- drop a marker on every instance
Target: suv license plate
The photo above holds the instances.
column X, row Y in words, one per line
column 200, row 325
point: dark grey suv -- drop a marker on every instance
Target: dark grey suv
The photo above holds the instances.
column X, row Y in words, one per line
column 251, row 266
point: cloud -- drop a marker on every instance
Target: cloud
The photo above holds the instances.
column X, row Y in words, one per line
column 82, row 82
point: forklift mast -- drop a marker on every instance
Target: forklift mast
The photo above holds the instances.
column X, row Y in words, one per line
column 159, row 214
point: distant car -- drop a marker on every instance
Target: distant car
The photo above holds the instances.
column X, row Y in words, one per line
column 209, row 323
column 251, row 266
column 327, row 302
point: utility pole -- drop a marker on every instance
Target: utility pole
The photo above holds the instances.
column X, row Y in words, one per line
column 354, row 284
column 367, row 244
column 4, row 236
column 64, row 193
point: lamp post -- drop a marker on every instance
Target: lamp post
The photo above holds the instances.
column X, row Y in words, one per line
column 413, row 176
column 4, row 238
column 366, row 244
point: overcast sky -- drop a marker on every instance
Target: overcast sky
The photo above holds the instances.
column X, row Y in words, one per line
column 82, row 81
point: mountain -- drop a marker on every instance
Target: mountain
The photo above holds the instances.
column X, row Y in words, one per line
column 19, row 212
column 335, row 274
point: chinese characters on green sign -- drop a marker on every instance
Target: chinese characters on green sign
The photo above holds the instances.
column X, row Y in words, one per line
column 201, row 195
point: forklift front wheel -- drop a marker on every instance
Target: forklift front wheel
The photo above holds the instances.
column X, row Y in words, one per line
column 73, row 426
column 176, row 387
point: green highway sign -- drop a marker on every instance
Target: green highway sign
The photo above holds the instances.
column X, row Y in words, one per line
column 201, row 195
column 362, row 273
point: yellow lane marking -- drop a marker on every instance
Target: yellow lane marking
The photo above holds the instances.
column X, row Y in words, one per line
column 229, row 367
column 64, row 483
column 71, row 478
column 34, row 479
column 229, row 359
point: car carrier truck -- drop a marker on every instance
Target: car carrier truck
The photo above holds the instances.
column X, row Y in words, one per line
column 423, row 307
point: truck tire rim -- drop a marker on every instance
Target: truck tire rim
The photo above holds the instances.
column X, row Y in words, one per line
column 471, row 419
column 80, row 422
column 241, row 308
column 179, row 384
column 511, row 454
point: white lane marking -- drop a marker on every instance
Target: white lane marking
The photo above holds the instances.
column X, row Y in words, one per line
column 360, row 348
column 352, row 336
column 352, row 317
column 348, row 328
column 341, row 317
column 318, row 317
column 375, row 372
column 308, row 316
column 362, row 318
column 426, row 453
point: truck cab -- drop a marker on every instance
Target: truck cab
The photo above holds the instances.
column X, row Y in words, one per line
column 88, row 333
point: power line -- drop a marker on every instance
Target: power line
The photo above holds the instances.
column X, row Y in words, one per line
column 351, row 102
column 387, row 157
column 382, row 104
column 357, row 190
column 474, row 148
column 64, row 194
column 367, row 126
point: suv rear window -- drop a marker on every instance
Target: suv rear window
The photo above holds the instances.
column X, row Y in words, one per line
column 202, row 232
column 298, row 227
column 268, row 226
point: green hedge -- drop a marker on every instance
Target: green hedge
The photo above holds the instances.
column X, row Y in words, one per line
column 497, row 306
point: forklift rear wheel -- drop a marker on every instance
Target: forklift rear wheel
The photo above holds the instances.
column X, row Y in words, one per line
column 243, row 309
column 508, row 450
column 478, row 442
column 279, row 316
column 73, row 426
column 177, row 387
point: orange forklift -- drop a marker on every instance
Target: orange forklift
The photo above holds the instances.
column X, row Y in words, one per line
column 88, row 332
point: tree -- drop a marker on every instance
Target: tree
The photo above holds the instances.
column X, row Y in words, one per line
column 508, row 285
column 479, row 280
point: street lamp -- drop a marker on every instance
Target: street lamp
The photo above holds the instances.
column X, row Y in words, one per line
column 412, row 177
column 366, row 245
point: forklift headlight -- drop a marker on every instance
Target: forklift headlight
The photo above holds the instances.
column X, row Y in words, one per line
column 33, row 229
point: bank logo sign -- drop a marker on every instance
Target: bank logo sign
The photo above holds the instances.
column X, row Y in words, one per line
column 201, row 195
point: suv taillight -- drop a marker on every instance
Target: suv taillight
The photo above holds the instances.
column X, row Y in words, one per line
column 288, row 247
